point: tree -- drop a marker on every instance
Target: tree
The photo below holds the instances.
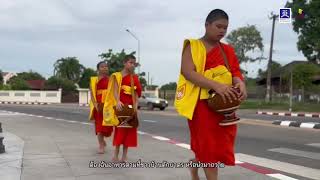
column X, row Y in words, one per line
column 114, row 60
column 169, row 86
column 85, row 78
column 244, row 40
column 143, row 82
column 57, row 82
column 31, row 75
column 307, row 26
column 1, row 78
column 115, row 63
column 18, row 82
column 68, row 68
column 302, row 76
column 275, row 66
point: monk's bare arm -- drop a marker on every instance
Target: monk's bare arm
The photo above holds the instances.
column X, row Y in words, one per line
column 236, row 80
column 188, row 70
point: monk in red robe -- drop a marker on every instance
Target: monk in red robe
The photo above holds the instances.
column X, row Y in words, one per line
column 126, row 136
column 210, row 142
column 98, row 89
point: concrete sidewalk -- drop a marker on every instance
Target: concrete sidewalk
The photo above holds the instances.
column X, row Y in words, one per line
column 57, row 149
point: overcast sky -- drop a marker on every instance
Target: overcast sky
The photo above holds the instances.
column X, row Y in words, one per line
column 35, row 33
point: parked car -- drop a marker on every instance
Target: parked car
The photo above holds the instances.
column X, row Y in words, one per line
column 151, row 101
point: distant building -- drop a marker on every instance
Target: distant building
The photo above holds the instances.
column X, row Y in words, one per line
column 7, row 76
column 276, row 75
column 36, row 84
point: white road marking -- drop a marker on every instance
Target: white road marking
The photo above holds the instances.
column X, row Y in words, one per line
column 187, row 146
column 293, row 152
column 314, row 145
column 307, row 125
column 161, row 138
column 281, row 166
column 239, row 162
column 72, row 121
column 285, row 123
column 142, row 133
column 281, row 176
column 149, row 121
column 8, row 114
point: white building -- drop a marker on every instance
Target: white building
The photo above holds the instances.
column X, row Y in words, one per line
column 7, row 76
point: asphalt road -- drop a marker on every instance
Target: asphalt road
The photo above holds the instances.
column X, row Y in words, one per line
column 295, row 147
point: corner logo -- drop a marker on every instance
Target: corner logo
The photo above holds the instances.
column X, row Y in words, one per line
column 285, row 15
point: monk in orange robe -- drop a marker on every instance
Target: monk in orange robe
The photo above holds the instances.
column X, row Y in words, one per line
column 211, row 142
column 126, row 136
column 98, row 89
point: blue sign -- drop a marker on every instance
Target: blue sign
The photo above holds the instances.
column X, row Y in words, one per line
column 285, row 15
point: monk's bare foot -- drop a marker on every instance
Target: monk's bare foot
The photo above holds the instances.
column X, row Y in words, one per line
column 115, row 159
column 194, row 172
column 124, row 159
column 101, row 150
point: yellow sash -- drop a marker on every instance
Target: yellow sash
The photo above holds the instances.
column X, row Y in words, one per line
column 93, row 88
column 109, row 117
column 127, row 89
column 94, row 91
column 219, row 74
column 187, row 94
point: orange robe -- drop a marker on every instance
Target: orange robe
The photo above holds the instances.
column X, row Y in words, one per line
column 211, row 142
column 98, row 116
column 127, row 136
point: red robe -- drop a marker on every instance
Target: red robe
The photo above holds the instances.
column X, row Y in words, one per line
column 127, row 136
column 98, row 116
column 211, row 142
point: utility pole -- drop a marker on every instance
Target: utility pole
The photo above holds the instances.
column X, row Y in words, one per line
column 148, row 83
column 268, row 94
column 291, row 90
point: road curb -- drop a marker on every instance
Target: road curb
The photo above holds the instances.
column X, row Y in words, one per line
column 313, row 115
column 27, row 103
column 309, row 125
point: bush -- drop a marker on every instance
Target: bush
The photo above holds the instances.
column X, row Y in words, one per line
column 56, row 83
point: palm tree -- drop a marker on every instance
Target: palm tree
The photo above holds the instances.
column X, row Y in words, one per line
column 68, row 68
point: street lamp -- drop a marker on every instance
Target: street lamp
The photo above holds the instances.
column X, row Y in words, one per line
column 134, row 36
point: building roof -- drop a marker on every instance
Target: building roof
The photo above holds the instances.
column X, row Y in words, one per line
column 36, row 84
column 276, row 74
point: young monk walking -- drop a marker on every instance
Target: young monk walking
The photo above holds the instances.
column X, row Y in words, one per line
column 212, row 141
column 98, row 91
column 125, row 89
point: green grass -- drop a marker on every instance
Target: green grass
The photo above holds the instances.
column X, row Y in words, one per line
column 303, row 107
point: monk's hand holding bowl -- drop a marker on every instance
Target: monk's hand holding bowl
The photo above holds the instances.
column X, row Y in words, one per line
column 227, row 92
